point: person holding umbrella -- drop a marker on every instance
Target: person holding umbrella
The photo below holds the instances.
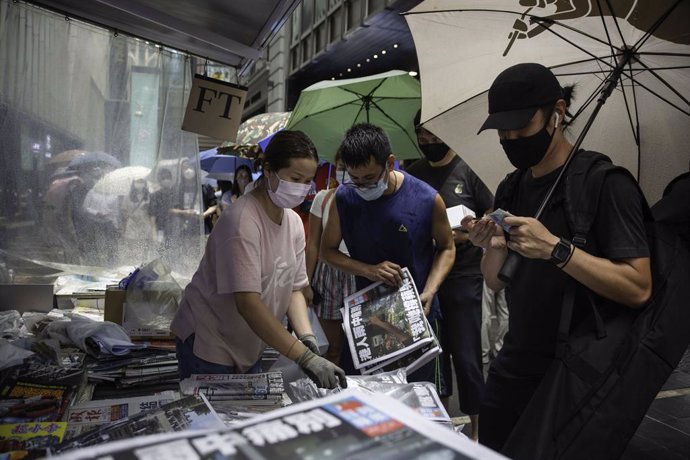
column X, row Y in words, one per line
column 251, row 277
column 527, row 106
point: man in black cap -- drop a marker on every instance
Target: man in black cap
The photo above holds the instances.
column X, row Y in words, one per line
column 527, row 106
column 460, row 295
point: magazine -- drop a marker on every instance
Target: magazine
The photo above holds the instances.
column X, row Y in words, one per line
column 87, row 416
column 382, row 322
column 34, row 402
column 342, row 426
column 18, row 439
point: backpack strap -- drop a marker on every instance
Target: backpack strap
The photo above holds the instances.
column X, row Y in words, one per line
column 584, row 180
column 507, row 189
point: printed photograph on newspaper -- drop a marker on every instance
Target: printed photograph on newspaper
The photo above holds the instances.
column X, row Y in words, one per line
column 341, row 426
column 383, row 322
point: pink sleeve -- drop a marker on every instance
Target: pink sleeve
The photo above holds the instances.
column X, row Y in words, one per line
column 238, row 264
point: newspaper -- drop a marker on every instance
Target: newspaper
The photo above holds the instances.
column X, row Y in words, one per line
column 189, row 413
column 410, row 363
column 342, row 426
column 89, row 415
column 419, row 396
column 220, row 387
column 382, row 323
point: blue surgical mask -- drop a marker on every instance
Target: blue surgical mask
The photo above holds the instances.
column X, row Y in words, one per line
column 373, row 193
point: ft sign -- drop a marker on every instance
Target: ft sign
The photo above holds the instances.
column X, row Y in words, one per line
column 214, row 108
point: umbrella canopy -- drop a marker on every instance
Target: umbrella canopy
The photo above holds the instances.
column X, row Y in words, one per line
column 642, row 126
column 252, row 131
column 84, row 159
column 119, row 181
column 326, row 110
column 63, row 158
column 256, row 128
column 223, row 167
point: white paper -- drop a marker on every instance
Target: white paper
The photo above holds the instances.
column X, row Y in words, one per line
column 457, row 213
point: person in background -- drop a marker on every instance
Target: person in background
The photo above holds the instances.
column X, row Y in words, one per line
column 388, row 220
column 138, row 230
column 674, row 206
column 161, row 202
column 243, row 176
column 223, row 195
column 460, row 295
column 527, row 107
column 252, row 275
column 328, row 286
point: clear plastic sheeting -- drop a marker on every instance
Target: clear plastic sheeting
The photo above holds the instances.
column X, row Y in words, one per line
column 95, row 171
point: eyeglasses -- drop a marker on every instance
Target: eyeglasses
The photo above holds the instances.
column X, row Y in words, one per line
column 351, row 184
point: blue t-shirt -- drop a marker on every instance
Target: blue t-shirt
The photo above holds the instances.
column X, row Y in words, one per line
column 394, row 227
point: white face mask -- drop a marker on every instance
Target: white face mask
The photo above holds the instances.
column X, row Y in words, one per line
column 166, row 183
column 288, row 194
column 373, row 193
column 218, row 193
column 344, row 177
column 139, row 186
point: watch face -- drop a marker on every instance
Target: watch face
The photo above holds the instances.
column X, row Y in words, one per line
column 561, row 252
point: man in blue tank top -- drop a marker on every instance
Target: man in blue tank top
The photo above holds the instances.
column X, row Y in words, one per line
column 389, row 220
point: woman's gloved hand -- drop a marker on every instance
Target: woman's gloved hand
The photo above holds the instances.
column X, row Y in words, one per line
column 323, row 372
column 309, row 341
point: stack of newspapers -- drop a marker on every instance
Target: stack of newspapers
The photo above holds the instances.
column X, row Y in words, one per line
column 386, row 328
column 266, row 389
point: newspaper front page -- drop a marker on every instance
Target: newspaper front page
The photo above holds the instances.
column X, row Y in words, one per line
column 383, row 324
column 342, row 426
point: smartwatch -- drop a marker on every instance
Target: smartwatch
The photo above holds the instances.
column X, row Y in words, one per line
column 561, row 251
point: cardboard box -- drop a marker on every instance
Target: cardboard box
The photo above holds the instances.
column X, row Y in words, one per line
column 115, row 311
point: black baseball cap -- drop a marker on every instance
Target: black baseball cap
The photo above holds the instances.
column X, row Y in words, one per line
column 517, row 93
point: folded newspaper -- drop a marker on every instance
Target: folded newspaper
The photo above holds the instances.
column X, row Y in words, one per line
column 244, row 389
column 386, row 328
column 344, row 425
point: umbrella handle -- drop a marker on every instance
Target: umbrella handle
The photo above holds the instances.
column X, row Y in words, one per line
column 510, row 267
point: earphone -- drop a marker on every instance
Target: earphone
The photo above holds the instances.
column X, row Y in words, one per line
column 557, row 120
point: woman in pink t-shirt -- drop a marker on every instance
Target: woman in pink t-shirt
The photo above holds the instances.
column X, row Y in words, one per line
column 251, row 277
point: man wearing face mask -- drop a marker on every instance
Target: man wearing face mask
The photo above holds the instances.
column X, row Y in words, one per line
column 527, row 106
column 388, row 220
column 460, row 295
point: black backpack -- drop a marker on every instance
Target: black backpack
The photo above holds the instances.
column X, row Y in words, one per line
column 607, row 373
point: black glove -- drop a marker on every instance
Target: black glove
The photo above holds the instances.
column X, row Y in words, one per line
column 323, row 372
column 309, row 341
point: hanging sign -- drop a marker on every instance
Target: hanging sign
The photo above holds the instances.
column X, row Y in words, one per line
column 214, row 108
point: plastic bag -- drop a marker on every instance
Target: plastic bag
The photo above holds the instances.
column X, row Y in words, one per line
column 153, row 297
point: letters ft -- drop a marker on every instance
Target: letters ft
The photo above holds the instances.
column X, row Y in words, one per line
column 216, row 95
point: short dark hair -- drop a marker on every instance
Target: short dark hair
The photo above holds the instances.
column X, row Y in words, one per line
column 286, row 145
column 362, row 142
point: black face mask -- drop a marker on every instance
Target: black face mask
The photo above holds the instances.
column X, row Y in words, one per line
column 434, row 152
column 525, row 152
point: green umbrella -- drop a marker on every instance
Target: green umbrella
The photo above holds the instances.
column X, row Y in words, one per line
column 326, row 110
